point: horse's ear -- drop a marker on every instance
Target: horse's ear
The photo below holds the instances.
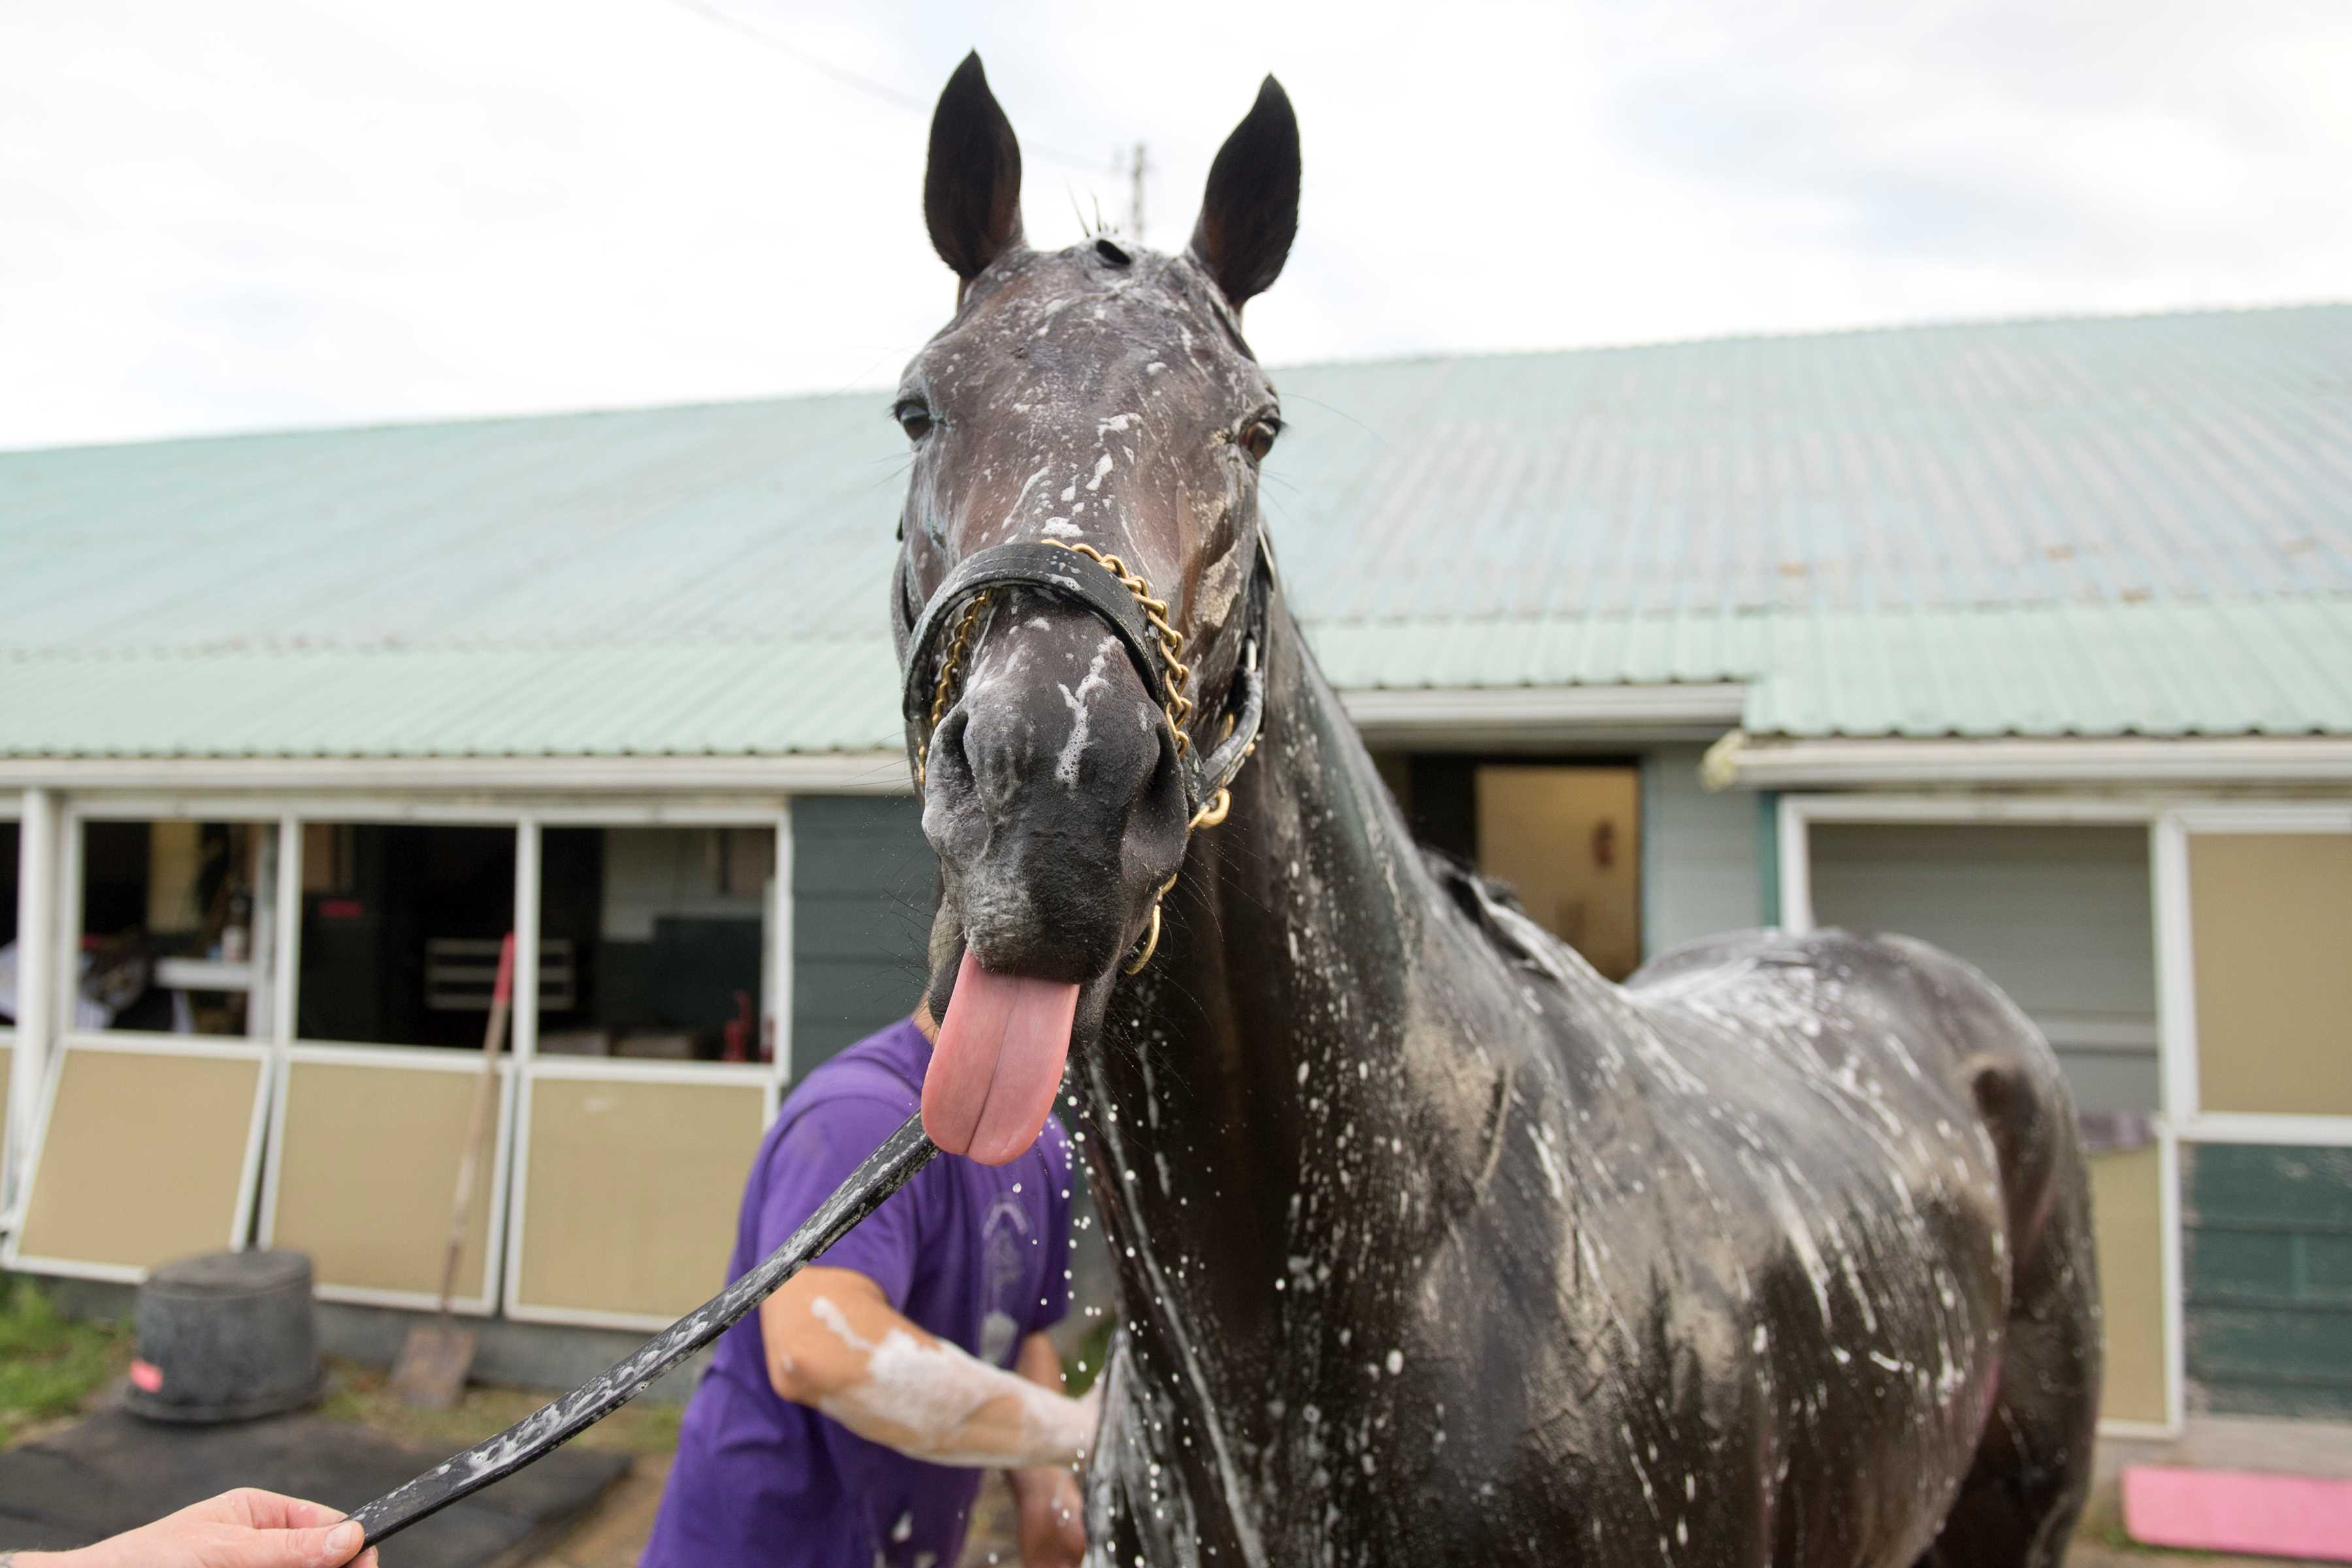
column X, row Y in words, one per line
column 1249, row 214
column 971, row 186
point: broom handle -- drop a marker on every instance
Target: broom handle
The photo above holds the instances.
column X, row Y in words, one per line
column 477, row 1119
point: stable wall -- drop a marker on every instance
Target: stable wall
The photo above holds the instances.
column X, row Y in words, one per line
column 2058, row 917
column 1699, row 871
column 864, row 879
column 2269, row 1261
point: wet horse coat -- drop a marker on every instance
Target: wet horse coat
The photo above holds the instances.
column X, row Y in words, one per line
column 1434, row 1246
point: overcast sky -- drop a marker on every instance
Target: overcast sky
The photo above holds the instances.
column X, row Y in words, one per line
column 254, row 214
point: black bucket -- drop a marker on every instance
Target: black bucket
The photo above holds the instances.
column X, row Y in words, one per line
column 228, row 1336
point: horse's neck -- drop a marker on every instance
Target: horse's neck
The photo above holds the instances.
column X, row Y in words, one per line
column 1260, row 1082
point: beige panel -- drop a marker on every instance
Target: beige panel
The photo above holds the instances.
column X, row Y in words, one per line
column 1568, row 840
column 142, row 1158
column 368, row 1171
column 174, row 862
column 632, row 1193
column 2127, row 1214
column 2271, row 914
column 7, row 1066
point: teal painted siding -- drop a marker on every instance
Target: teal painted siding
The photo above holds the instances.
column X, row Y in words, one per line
column 863, row 881
column 2269, row 1264
column 1700, row 875
column 2059, row 917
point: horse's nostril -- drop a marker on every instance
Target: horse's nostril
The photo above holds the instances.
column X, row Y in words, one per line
column 988, row 744
column 1166, row 775
column 945, row 758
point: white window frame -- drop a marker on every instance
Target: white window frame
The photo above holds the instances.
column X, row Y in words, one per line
column 50, row 892
column 2177, row 970
column 138, row 1043
column 520, row 1063
column 261, row 1004
column 292, row 1049
column 1795, row 817
column 33, row 812
column 769, row 1077
column 53, row 1035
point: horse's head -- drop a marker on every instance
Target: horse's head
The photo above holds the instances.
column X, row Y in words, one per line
column 1099, row 396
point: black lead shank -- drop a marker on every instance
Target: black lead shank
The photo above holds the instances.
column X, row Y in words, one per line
column 551, row 1426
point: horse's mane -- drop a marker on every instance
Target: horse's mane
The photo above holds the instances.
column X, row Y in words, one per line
column 1493, row 906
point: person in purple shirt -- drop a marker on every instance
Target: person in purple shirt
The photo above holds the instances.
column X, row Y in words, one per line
column 847, row 1422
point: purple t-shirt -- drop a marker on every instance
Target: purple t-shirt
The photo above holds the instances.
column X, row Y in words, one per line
column 975, row 1254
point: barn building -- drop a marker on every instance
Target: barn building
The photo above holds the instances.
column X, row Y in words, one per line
column 2034, row 639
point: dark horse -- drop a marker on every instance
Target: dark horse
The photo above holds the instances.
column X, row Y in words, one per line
column 1434, row 1246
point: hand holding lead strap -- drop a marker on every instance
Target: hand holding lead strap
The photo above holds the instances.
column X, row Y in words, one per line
column 551, row 1426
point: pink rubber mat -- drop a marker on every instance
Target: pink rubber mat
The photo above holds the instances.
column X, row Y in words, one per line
column 2233, row 1510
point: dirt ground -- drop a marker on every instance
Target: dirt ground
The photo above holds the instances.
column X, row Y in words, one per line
column 615, row 1532
column 613, row 1535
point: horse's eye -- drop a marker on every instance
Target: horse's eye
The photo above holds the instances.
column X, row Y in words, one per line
column 1258, row 439
column 914, row 419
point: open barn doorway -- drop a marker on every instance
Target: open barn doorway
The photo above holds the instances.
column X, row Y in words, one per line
column 1565, row 834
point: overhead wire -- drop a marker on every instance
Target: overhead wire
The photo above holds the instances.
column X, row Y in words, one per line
column 882, row 92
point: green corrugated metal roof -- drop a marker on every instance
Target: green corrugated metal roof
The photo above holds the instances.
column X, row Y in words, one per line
column 2092, row 527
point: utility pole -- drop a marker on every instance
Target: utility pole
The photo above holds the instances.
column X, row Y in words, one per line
column 1138, row 169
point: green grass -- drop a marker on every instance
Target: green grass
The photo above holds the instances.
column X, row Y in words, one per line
column 50, row 1364
column 1079, row 1371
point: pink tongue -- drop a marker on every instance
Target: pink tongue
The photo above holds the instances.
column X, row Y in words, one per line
column 997, row 1063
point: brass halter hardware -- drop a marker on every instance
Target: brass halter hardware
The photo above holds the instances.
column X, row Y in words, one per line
column 1178, row 707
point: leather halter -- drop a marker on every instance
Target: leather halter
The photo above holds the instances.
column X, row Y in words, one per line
column 1062, row 573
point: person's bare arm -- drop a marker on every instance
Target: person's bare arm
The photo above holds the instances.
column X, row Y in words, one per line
column 1053, row 1514
column 835, row 1343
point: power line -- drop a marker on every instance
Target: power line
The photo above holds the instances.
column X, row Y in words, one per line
column 880, row 91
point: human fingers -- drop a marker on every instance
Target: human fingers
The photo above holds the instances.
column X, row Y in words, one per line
column 258, row 1509
column 323, row 1546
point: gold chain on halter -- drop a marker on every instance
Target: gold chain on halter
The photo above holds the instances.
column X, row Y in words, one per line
column 1178, row 707
column 958, row 646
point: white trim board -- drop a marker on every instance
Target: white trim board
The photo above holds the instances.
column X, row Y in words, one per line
column 2265, row 1127
column 877, row 771
column 387, row 810
column 1462, row 716
column 780, row 959
column 642, row 1069
column 37, row 849
column 1767, row 763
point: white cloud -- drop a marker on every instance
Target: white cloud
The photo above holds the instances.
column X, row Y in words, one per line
column 268, row 212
